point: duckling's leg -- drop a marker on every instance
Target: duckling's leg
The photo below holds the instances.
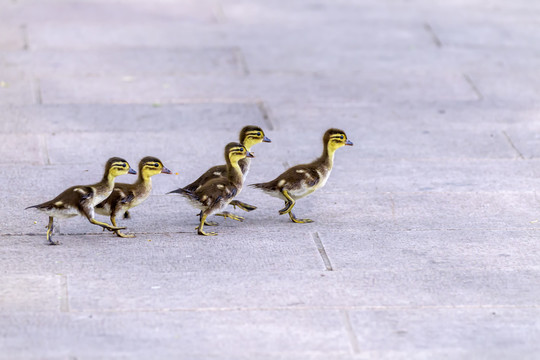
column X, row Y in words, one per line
column 89, row 213
column 243, row 206
column 50, row 229
column 289, row 204
column 207, row 222
column 200, row 230
column 227, row 214
column 105, row 225
column 117, row 232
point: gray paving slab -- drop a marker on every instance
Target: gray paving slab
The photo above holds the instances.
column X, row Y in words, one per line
column 11, row 37
column 424, row 334
column 71, row 12
column 129, row 64
column 17, row 89
column 368, row 89
column 42, row 293
column 471, row 249
column 424, row 241
column 58, row 35
column 225, row 334
column 162, row 287
column 182, row 118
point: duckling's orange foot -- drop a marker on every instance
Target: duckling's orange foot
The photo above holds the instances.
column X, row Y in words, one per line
column 299, row 221
column 122, row 235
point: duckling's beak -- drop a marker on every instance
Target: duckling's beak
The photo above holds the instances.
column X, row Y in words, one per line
column 249, row 154
column 131, row 171
column 266, row 139
column 349, row 142
column 166, row 171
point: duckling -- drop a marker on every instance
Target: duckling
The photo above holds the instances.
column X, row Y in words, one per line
column 301, row 180
column 217, row 193
column 81, row 199
column 127, row 196
column 250, row 135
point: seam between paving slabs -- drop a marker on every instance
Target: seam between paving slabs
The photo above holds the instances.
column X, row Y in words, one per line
column 353, row 338
column 473, row 87
column 64, row 294
column 263, row 108
column 322, row 251
column 519, row 154
column 317, row 308
column 434, row 36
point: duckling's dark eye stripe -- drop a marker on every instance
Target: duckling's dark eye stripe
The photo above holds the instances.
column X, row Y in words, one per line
column 337, row 137
column 119, row 165
column 253, row 133
column 152, row 164
column 237, row 150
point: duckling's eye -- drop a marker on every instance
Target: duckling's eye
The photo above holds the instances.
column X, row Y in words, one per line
column 124, row 165
column 341, row 137
column 156, row 164
column 258, row 134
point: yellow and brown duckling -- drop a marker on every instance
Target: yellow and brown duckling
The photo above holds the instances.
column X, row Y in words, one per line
column 127, row 196
column 301, row 180
column 81, row 199
column 249, row 136
column 214, row 195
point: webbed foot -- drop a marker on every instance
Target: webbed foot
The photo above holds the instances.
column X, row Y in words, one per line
column 299, row 221
column 243, row 206
column 226, row 214
column 50, row 239
column 122, row 235
column 201, row 232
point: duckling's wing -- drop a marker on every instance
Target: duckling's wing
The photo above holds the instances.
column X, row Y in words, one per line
column 216, row 191
column 128, row 198
column 71, row 197
column 214, row 172
column 291, row 178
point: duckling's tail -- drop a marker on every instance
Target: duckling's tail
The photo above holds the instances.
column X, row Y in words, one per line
column 177, row 191
column 259, row 186
column 180, row 191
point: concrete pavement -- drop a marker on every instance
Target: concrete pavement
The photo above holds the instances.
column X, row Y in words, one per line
column 425, row 243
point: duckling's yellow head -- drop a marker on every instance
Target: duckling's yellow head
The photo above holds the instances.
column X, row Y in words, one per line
column 150, row 166
column 116, row 166
column 236, row 152
column 251, row 135
column 335, row 138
